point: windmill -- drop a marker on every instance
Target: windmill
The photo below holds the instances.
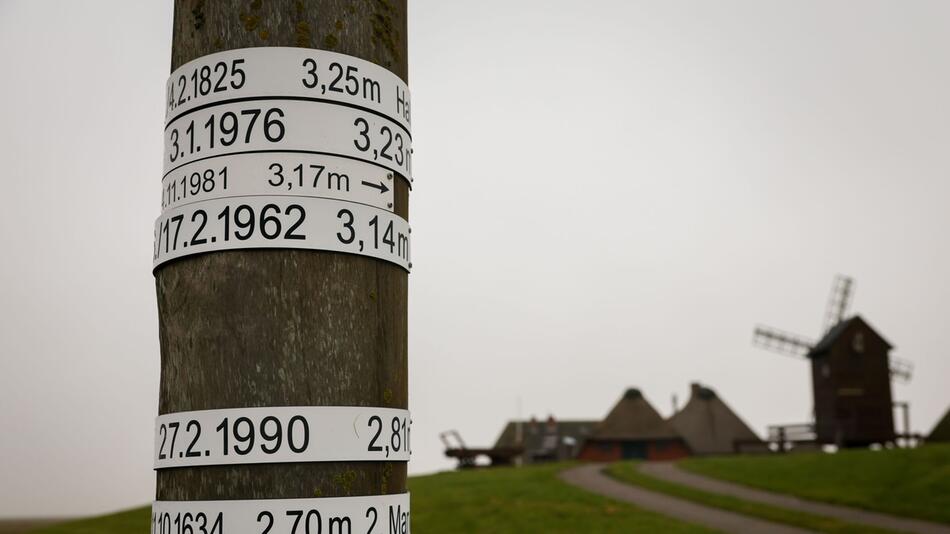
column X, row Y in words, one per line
column 851, row 372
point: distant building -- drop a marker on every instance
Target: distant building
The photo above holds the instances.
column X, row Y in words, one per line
column 709, row 426
column 941, row 431
column 633, row 430
column 551, row 440
column 852, row 386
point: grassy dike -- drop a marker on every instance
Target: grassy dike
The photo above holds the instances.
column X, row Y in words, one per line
column 497, row 501
column 130, row 521
column 907, row 482
column 627, row 472
column 530, row 499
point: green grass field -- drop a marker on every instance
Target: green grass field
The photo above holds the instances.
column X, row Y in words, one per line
column 908, row 482
column 523, row 500
column 136, row 521
column 627, row 472
column 499, row 501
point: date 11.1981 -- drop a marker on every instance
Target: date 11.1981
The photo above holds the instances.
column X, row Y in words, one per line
column 288, row 175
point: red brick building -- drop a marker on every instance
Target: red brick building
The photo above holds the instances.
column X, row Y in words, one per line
column 633, row 430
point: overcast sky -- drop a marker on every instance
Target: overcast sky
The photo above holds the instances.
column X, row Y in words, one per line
column 607, row 194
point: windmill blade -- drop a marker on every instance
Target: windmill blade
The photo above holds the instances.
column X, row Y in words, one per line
column 901, row 370
column 838, row 302
column 776, row 340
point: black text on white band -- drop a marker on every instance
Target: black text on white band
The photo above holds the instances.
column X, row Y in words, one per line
column 282, row 434
column 286, row 71
column 281, row 222
column 377, row 514
column 287, row 125
column 278, row 173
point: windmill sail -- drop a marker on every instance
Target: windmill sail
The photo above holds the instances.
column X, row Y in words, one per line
column 901, row 369
column 838, row 302
column 776, row 340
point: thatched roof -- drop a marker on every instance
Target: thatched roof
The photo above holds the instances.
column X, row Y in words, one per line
column 534, row 432
column 633, row 419
column 708, row 425
column 941, row 431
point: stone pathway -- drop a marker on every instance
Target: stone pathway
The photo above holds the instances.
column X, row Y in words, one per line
column 671, row 473
column 590, row 478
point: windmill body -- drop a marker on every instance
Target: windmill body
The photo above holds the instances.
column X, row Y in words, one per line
column 851, row 381
column 851, row 370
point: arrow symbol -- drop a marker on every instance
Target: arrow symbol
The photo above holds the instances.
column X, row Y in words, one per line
column 382, row 187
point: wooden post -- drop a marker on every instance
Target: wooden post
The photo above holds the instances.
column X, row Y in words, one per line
column 249, row 328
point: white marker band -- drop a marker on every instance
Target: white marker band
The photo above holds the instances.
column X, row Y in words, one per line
column 281, row 222
column 286, row 71
column 282, row 434
column 285, row 174
column 274, row 125
column 377, row 514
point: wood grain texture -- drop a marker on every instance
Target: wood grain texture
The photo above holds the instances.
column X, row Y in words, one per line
column 251, row 328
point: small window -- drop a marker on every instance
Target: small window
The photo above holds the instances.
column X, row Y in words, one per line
column 857, row 343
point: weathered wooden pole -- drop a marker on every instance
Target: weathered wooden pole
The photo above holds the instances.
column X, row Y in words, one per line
column 283, row 327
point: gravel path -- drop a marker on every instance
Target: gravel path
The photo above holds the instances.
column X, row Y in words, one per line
column 671, row 473
column 590, row 478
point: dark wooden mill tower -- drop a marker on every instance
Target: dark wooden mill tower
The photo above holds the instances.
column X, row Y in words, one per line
column 851, row 371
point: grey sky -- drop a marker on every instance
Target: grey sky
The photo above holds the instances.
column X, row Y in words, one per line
column 607, row 194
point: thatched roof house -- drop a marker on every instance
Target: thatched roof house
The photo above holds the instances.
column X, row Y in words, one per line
column 709, row 426
column 633, row 429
